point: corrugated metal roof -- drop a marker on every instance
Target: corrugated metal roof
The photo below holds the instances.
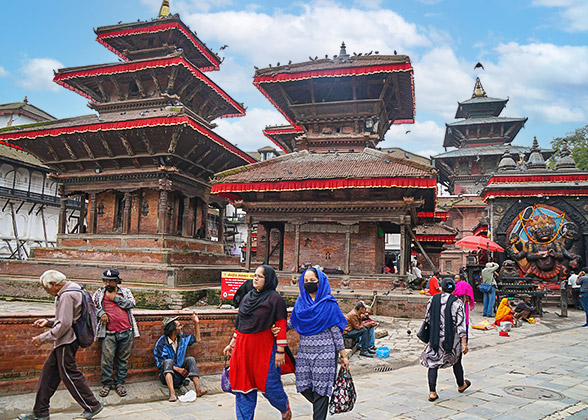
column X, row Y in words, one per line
column 486, row 120
column 487, row 151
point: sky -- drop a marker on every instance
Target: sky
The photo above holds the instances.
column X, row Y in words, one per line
column 535, row 52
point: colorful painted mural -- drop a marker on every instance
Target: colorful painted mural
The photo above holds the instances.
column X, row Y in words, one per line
column 543, row 242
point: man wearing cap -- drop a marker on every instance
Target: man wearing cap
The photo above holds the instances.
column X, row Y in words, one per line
column 523, row 309
column 60, row 365
column 170, row 356
column 356, row 330
column 117, row 329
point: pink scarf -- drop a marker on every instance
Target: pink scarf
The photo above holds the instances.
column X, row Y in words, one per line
column 465, row 291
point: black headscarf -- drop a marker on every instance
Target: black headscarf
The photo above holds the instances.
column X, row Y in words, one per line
column 448, row 285
column 245, row 288
column 258, row 311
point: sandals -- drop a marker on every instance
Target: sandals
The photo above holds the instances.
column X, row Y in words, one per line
column 433, row 398
column 104, row 391
column 121, row 391
column 467, row 385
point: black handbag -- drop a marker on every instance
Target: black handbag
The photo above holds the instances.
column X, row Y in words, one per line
column 424, row 333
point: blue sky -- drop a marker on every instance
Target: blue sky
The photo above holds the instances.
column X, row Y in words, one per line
column 534, row 51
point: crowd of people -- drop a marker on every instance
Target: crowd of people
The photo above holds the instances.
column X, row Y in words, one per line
column 258, row 350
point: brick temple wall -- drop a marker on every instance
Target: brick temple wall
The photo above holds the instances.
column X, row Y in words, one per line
column 21, row 361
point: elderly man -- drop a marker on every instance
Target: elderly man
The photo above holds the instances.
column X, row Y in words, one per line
column 356, row 330
column 116, row 329
column 170, row 356
column 61, row 363
column 523, row 309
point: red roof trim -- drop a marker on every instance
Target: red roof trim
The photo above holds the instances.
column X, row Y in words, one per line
column 270, row 133
column 481, row 229
column 323, row 184
column 534, row 193
column 508, row 179
column 448, row 239
column 125, row 125
column 62, row 78
column 341, row 72
column 14, row 146
column 160, row 28
column 443, row 215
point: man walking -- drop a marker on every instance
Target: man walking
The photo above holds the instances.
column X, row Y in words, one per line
column 116, row 329
column 61, row 363
column 583, row 283
column 488, row 286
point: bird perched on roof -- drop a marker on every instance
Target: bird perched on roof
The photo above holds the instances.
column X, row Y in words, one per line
column 256, row 68
column 316, row 57
column 269, row 65
column 478, row 66
column 370, row 53
column 289, row 61
column 278, row 64
column 406, row 155
column 310, row 58
column 395, row 53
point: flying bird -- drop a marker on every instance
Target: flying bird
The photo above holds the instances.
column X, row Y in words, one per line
column 224, row 47
column 407, row 131
column 478, row 66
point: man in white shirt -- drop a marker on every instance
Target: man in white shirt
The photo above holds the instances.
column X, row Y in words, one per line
column 575, row 291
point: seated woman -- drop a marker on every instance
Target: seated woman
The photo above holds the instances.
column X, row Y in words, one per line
column 504, row 312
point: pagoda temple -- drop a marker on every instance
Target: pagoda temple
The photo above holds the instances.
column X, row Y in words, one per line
column 333, row 196
column 141, row 165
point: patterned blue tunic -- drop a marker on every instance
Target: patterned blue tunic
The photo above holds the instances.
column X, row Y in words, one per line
column 316, row 361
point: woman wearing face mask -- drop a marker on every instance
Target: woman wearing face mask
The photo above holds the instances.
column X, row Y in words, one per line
column 320, row 323
column 257, row 357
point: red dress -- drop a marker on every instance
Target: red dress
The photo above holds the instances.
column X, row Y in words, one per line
column 251, row 358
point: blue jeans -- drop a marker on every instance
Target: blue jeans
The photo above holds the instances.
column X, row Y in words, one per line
column 371, row 337
column 584, row 301
column 489, row 299
column 364, row 336
column 116, row 346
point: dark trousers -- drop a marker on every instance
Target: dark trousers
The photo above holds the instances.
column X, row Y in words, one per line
column 116, row 346
column 576, row 298
column 61, row 366
column 584, row 300
column 362, row 335
column 457, row 371
column 320, row 404
column 168, row 367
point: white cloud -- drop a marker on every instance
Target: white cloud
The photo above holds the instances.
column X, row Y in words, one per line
column 3, row 72
column 557, row 114
column 574, row 13
column 246, row 132
column 260, row 38
column 440, row 81
column 424, row 138
column 37, row 74
column 370, row 4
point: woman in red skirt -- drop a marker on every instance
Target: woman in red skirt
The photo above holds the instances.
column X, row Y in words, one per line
column 257, row 357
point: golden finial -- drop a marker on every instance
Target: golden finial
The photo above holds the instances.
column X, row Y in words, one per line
column 164, row 9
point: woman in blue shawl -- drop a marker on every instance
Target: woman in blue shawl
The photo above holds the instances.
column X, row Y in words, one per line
column 320, row 323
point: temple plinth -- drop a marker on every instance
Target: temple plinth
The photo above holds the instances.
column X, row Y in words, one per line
column 142, row 164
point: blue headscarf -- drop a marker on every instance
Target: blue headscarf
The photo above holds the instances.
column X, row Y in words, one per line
column 311, row 317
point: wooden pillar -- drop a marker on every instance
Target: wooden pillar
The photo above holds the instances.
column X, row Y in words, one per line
column 268, row 243
column 205, row 219
column 127, row 212
column 402, row 256
column 282, row 234
column 221, row 226
column 93, row 212
column 81, row 223
column 62, row 215
column 162, row 215
column 347, row 268
column 186, row 217
column 44, row 226
column 297, row 247
column 15, row 230
column 248, row 251
column 197, row 216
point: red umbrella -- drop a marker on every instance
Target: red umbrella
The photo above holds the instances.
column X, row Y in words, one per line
column 479, row 242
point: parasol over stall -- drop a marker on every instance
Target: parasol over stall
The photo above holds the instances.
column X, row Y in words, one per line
column 479, row 242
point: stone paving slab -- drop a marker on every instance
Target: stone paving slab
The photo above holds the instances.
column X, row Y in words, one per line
column 550, row 355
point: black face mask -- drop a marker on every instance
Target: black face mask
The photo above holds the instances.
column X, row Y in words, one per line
column 110, row 289
column 311, row 287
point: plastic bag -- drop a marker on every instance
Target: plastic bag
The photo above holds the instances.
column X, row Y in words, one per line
column 188, row 396
column 505, row 326
column 383, row 352
column 344, row 395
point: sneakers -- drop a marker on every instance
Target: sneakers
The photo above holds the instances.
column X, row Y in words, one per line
column 31, row 416
column 585, row 325
column 365, row 353
column 86, row 415
column 371, row 351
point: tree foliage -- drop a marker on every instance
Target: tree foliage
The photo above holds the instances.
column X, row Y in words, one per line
column 577, row 142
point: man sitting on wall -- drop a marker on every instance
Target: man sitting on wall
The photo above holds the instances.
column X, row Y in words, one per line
column 356, row 330
column 170, row 356
column 523, row 309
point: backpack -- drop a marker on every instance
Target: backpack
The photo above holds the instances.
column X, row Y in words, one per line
column 85, row 326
